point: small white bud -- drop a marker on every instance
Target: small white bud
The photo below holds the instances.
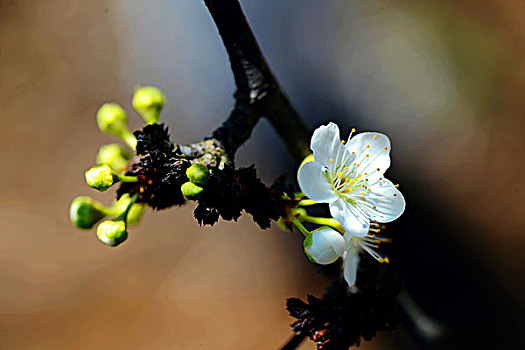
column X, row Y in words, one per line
column 324, row 245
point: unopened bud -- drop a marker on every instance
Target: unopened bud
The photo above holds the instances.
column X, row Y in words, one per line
column 112, row 232
column 191, row 191
column 113, row 120
column 148, row 102
column 114, row 155
column 324, row 245
column 85, row 212
column 101, row 177
column 198, row 174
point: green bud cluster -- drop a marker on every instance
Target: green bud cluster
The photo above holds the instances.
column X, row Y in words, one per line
column 198, row 175
column 112, row 161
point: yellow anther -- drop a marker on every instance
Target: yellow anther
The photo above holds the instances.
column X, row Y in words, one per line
column 381, row 260
column 353, row 130
column 331, row 160
column 368, row 155
column 375, row 136
column 340, row 174
column 397, row 185
column 367, row 146
column 385, row 147
column 363, row 199
column 387, row 260
column 343, row 142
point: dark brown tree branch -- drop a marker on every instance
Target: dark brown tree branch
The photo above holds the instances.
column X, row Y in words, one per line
column 258, row 93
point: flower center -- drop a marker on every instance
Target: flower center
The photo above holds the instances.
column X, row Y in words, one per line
column 342, row 181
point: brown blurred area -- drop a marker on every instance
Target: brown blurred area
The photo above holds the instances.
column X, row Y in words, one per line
column 178, row 286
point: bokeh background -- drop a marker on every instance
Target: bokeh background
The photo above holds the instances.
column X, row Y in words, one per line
column 444, row 79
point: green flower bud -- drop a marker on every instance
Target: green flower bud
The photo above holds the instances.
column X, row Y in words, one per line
column 84, row 212
column 114, row 155
column 113, row 120
column 324, row 245
column 112, row 232
column 101, row 177
column 135, row 213
column 198, row 174
column 191, row 191
column 148, row 102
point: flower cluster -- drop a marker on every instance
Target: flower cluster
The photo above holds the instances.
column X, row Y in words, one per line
column 348, row 175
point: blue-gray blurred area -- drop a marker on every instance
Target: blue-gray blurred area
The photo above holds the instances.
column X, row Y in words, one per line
column 444, row 79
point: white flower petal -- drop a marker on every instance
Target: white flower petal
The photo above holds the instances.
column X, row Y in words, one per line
column 372, row 152
column 352, row 219
column 351, row 263
column 384, row 202
column 326, row 144
column 325, row 246
column 314, row 184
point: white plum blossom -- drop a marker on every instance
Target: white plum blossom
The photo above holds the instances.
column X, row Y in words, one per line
column 349, row 176
column 325, row 245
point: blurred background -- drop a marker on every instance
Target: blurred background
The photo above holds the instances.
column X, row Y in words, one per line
column 444, row 79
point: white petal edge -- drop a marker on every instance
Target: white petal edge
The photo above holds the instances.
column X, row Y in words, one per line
column 326, row 144
column 389, row 203
column 314, row 184
column 353, row 220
